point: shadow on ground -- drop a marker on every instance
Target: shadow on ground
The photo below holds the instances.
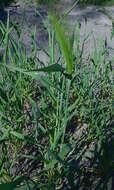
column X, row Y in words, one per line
column 5, row 3
column 3, row 15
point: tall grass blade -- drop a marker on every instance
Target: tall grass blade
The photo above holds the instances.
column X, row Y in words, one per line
column 65, row 43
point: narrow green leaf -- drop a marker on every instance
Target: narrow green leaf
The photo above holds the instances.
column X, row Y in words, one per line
column 31, row 157
column 12, row 185
column 44, row 80
column 57, row 138
column 18, row 135
column 65, row 43
column 22, row 137
column 52, row 68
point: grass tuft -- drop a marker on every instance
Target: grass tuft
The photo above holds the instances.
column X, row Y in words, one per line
column 58, row 131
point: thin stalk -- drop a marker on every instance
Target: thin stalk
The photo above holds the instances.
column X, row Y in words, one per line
column 69, row 10
column 66, row 110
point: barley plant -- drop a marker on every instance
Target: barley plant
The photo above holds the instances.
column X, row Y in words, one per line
column 56, row 121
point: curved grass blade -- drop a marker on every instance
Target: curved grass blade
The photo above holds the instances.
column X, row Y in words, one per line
column 52, row 68
column 65, row 43
column 44, row 80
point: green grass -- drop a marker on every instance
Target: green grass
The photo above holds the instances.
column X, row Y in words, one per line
column 53, row 2
column 94, row 2
column 97, row 2
column 46, row 114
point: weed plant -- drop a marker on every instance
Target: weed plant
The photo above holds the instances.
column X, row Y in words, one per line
column 72, row 96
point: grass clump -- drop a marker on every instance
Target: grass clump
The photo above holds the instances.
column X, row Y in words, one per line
column 50, row 124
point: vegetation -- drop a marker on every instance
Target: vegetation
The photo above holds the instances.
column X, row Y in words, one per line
column 85, row 2
column 60, row 120
column 97, row 2
column 52, row 2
